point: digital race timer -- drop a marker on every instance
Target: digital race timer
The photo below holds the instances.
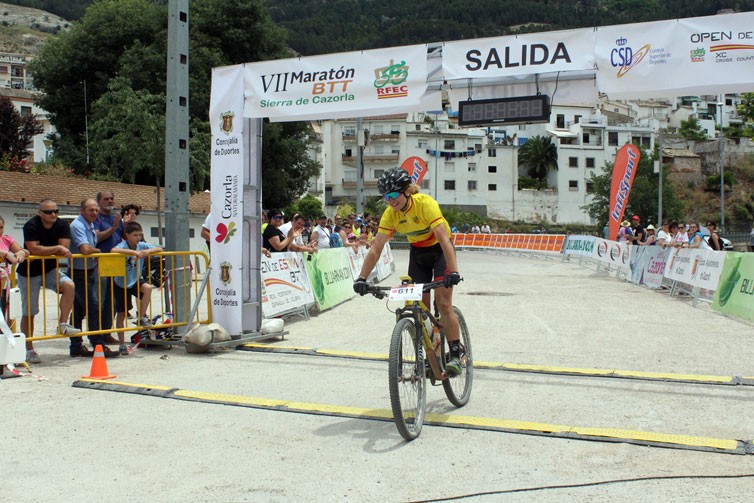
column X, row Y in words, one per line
column 519, row 110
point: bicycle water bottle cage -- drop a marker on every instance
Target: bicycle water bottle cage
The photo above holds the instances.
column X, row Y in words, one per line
column 406, row 280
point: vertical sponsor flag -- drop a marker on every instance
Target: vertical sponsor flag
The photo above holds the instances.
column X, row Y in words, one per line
column 624, row 170
column 416, row 168
column 227, row 158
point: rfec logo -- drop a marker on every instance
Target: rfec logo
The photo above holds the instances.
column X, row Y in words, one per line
column 389, row 80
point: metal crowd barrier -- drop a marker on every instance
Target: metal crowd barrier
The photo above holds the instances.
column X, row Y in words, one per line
column 168, row 272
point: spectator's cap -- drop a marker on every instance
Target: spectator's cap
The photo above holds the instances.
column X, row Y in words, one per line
column 358, row 219
column 274, row 213
column 636, row 217
column 625, row 223
column 650, row 227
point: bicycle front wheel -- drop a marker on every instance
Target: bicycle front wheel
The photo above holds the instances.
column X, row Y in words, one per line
column 458, row 389
column 408, row 391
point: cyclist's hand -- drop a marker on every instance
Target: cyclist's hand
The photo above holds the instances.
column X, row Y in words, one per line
column 361, row 286
column 451, row 279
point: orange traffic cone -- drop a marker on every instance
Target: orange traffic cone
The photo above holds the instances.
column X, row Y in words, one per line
column 99, row 365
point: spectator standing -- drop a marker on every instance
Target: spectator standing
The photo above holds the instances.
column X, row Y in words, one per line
column 475, row 229
column 638, row 234
column 696, row 238
column 465, row 228
column 11, row 254
column 624, row 233
column 663, row 235
column 321, row 234
column 681, row 238
column 453, row 229
column 651, row 238
column 133, row 284
column 273, row 239
column 715, row 242
column 297, row 225
column 486, row 229
column 206, row 231
column 45, row 235
column 109, row 228
column 86, row 273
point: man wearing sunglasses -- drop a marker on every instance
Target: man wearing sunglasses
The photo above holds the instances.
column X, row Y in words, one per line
column 432, row 255
column 45, row 235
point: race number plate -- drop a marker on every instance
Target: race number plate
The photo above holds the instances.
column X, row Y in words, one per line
column 406, row 292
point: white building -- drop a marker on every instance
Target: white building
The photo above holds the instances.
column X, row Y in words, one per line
column 26, row 104
column 477, row 168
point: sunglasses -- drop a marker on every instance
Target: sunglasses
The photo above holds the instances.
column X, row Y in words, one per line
column 278, row 217
column 50, row 212
column 391, row 195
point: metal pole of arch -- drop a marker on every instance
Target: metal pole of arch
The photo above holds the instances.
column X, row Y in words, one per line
column 177, row 188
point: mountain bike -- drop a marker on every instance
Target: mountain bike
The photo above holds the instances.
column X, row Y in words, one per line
column 418, row 352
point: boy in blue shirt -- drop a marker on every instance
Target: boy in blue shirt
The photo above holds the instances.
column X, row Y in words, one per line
column 132, row 284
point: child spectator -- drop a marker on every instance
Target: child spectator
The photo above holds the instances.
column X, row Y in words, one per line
column 132, row 284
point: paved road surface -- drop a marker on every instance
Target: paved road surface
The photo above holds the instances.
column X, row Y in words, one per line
column 69, row 444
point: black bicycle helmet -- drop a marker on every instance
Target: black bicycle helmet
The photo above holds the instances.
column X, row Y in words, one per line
column 393, row 180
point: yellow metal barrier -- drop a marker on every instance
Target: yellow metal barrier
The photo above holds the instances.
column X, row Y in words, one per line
column 165, row 270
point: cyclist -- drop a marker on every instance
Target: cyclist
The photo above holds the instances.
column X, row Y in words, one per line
column 418, row 216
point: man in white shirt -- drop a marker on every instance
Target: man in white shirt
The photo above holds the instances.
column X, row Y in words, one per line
column 297, row 222
column 321, row 234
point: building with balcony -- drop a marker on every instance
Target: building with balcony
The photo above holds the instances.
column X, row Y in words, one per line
column 14, row 72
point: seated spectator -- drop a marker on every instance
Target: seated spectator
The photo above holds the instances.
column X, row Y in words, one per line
column 132, row 284
column 486, row 229
column 475, row 229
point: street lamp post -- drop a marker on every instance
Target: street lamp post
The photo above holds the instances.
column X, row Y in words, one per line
column 722, row 171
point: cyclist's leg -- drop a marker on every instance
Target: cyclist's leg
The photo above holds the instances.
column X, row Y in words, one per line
column 420, row 269
column 444, row 300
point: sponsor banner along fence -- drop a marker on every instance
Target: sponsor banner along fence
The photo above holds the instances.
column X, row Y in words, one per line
column 736, row 293
column 290, row 281
column 695, row 267
column 542, row 243
column 285, row 283
column 609, row 253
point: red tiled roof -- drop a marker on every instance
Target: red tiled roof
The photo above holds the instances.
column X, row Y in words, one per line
column 64, row 190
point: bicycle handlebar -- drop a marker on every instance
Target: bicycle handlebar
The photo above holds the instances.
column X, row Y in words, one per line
column 379, row 291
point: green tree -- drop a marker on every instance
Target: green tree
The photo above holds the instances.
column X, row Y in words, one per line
column 127, row 39
column 16, row 131
column 643, row 198
column 692, row 130
column 539, row 154
column 308, row 206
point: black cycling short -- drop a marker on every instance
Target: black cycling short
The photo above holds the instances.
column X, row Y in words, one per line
column 426, row 264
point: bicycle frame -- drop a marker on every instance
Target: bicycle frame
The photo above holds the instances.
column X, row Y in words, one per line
column 414, row 309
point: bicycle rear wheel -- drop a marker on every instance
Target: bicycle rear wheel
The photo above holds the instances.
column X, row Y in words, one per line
column 408, row 391
column 458, row 389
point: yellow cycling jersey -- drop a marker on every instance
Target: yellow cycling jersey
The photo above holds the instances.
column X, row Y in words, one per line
column 417, row 222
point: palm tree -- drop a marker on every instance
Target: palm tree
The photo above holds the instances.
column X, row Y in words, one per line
column 538, row 154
